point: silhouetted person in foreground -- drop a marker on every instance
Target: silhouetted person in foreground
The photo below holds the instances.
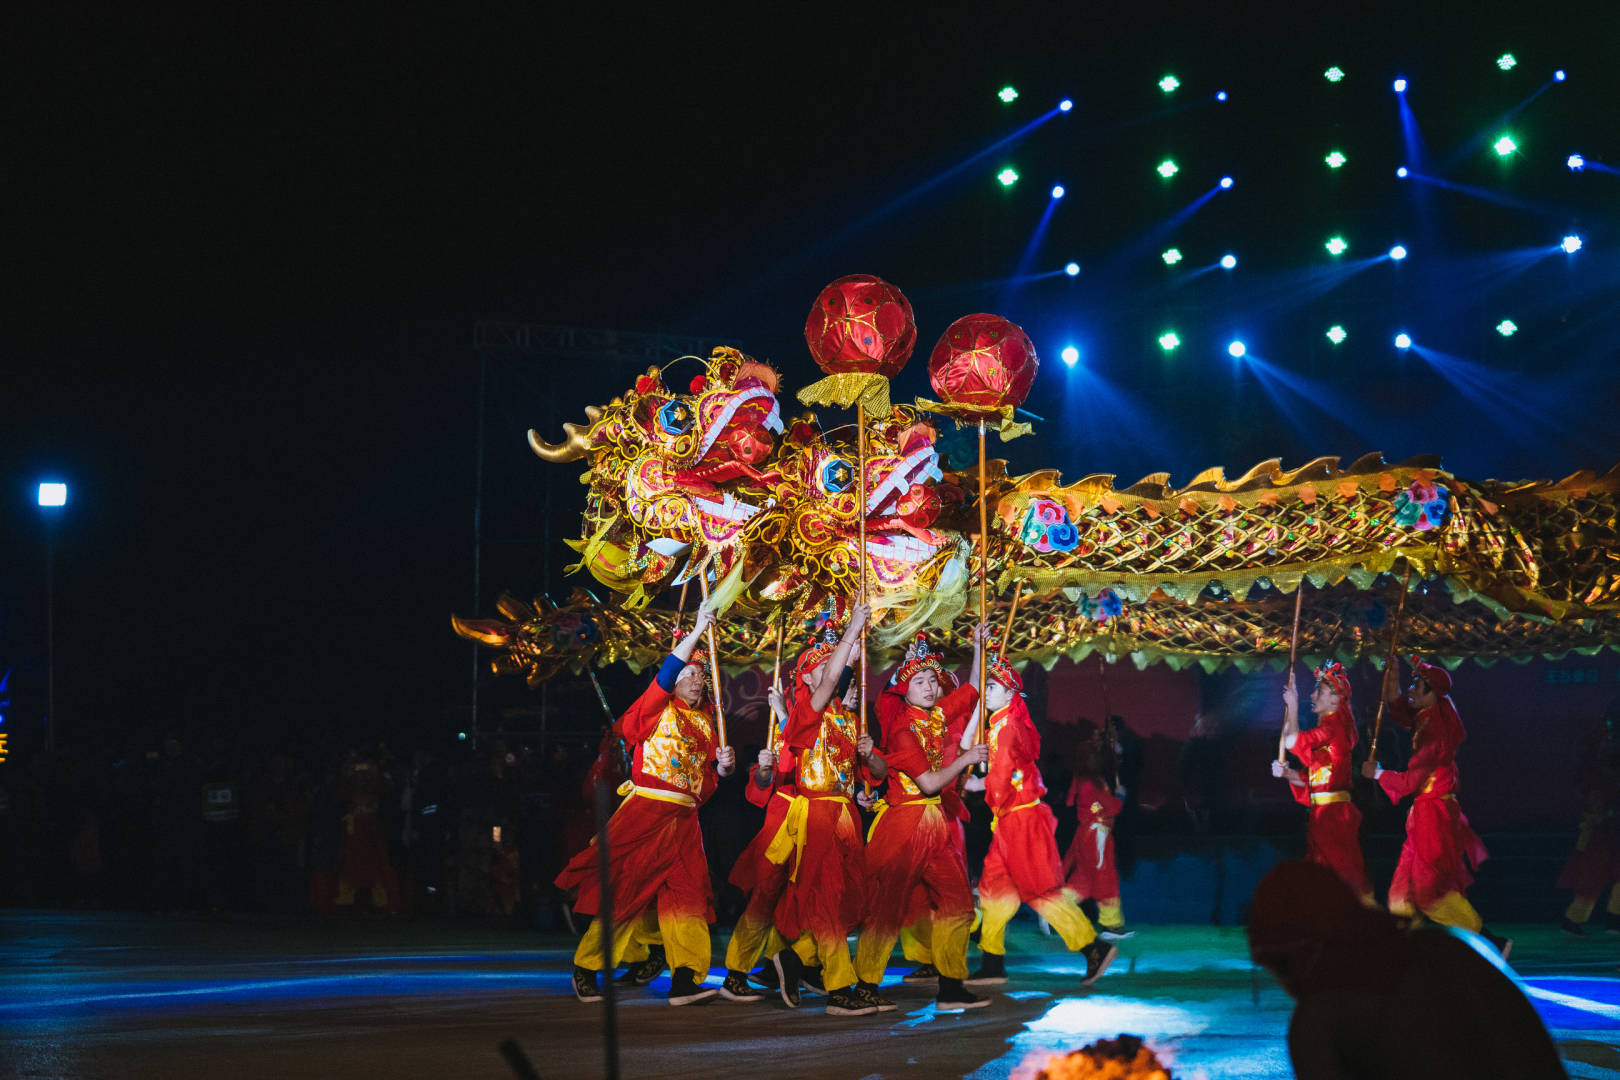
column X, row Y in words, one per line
column 1378, row 1000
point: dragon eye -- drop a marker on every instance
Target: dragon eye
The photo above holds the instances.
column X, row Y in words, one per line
column 836, row 475
column 675, row 418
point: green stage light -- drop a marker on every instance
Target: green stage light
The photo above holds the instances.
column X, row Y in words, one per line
column 1336, row 334
column 1506, row 61
column 1168, row 341
column 1007, row 177
column 1507, row 328
column 1335, row 159
column 1171, row 257
column 1505, row 146
column 1007, row 95
column 1168, row 168
column 1337, row 246
column 1169, row 83
column 1333, row 74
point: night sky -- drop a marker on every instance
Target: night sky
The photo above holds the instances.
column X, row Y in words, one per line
column 247, row 250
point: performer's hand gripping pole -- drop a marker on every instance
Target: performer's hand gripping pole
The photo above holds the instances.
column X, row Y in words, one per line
column 1293, row 656
column 1392, row 664
column 714, row 669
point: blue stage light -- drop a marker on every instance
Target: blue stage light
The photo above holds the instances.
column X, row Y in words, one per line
column 1571, row 244
column 1226, row 183
column 1559, row 75
column 1065, row 105
column 1401, row 172
column 1070, row 355
column 1228, row 262
column 1402, row 341
column 1336, row 334
column 1397, row 253
column 1576, row 162
column 1057, row 191
column 1237, row 349
column 1220, row 95
column 1400, row 86
column 1072, row 269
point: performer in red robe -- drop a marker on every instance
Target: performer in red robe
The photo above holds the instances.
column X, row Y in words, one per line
column 912, row 842
column 1022, row 865
column 1089, row 868
column 822, row 903
column 1333, row 836
column 1434, row 868
column 1595, row 864
column 657, row 868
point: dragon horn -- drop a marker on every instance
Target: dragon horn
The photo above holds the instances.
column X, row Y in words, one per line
column 575, row 447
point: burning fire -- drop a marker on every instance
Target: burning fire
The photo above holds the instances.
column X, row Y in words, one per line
column 1124, row 1058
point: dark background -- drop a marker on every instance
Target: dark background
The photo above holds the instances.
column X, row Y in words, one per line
column 247, row 249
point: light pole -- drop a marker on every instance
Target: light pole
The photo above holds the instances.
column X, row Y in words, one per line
column 52, row 497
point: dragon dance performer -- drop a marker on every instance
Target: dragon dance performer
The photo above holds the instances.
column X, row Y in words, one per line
column 658, row 871
column 1089, row 866
column 1433, row 871
column 1595, row 864
column 926, row 743
column 1022, row 865
column 1333, row 836
column 822, row 903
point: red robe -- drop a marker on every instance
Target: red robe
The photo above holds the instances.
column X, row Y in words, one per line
column 1440, row 845
column 1333, row 837
column 1023, row 841
column 1089, row 862
column 654, row 843
column 1595, row 863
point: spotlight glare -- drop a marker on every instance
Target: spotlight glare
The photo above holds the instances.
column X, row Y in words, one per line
column 1336, row 334
column 1400, row 86
column 1065, row 105
column 1070, row 355
column 1333, row 74
column 1237, row 349
column 1397, row 253
column 1401, row 172
column 1507, row 61
column 1337, row 246
column 1220, row 95
column 1072, row 269
column 1007, row 177
column 1576, row 162
column 1057, row 191
column 1571, row 244
column 1507, row 328
column 1559, row 75
column 1335, row 159
column 1228, row 262
column 1505, row 146
column 1402, row 341
column 1168, row 341
column 1168, row 168
column 1007, row 95
column 52, row 494
column 1226, row 183
column 1169, row 83
column 1171, row 256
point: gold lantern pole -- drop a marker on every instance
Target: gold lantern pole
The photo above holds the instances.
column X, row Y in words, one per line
column 983, row 768
column 714, row 667
column 1293, row 654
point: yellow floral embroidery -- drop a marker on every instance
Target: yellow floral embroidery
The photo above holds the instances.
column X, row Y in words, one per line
column 678, row 750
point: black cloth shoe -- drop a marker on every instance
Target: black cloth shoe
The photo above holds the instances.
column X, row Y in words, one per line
column 766, row 977
column 1099, row 954
column 1571, row 927
column 736, row 988
column 585, row 987
column 846, row 1002
column 954, row 997
column 684, row 988
column 1503, row 945
column 810, row 979
column 645, row 971
column 788, row 970
column 992, row 971
column 1115, row 933
column 922, row 973
column 869, row 993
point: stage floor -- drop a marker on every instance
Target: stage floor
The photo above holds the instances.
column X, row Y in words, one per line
column 110, row 995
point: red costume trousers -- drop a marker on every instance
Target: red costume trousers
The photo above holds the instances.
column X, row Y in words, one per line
column 1022, row 867
column 914, row 868
column 763, row 881
column 1594, row 867
column 1333, row 839
column 1433, row 871
column 823, row 897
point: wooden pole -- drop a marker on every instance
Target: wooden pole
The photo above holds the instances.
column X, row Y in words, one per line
column 714, row 669
column 680, row 610
column 1012, row 613
column 776, row 680
column 982, row 769
column 1394, row 644
column 1293, row 654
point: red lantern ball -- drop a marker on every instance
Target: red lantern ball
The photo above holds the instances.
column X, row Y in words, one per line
column 984, row 361
column 861, row 323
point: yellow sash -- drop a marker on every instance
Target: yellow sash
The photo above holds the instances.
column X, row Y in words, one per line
column 883, row 808
column 794, row 830
column 679, row 798
column 996, row 820
column 1323, row 798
